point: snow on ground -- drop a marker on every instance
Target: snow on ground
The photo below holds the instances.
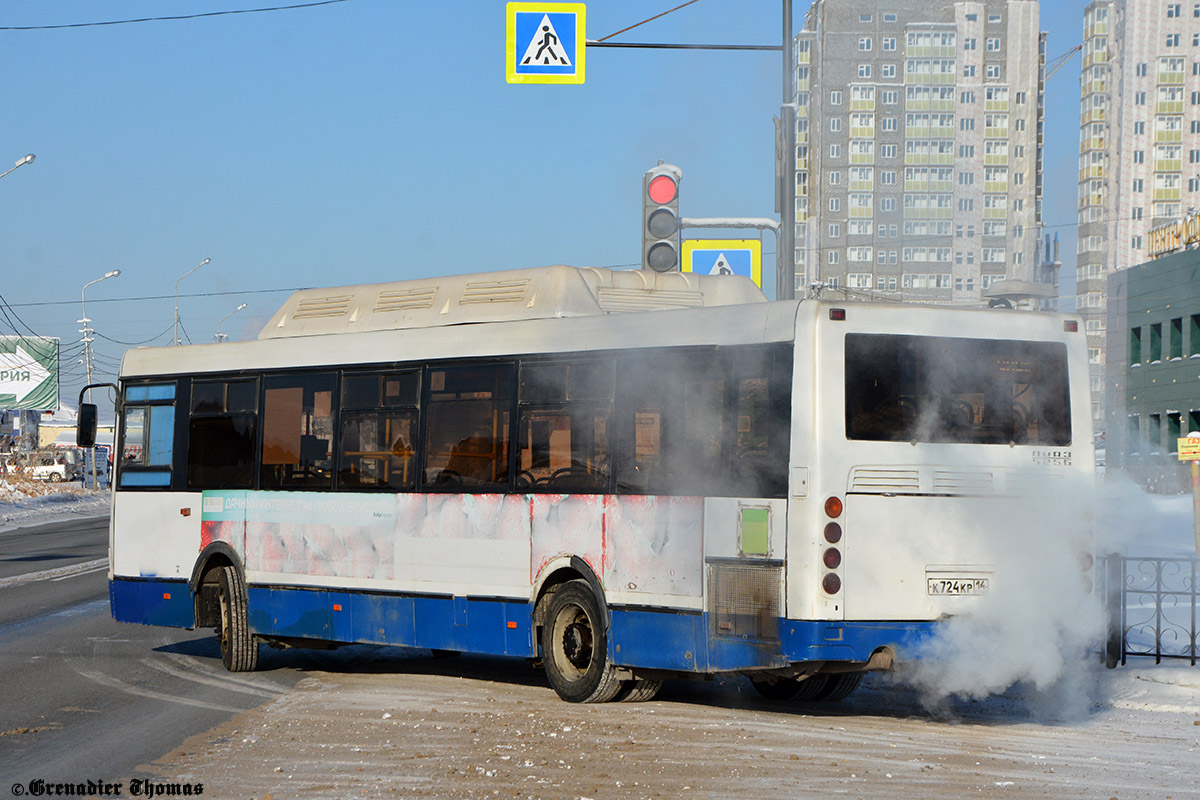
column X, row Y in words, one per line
column 25, row 503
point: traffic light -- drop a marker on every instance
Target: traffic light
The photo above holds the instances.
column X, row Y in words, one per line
column 660, row 218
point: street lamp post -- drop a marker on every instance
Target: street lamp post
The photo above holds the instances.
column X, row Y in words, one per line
column 177, row 280
column 220, row 337
column 87, row 340
column 19, row 163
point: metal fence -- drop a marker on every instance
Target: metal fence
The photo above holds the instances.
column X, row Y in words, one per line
column 1151, row 608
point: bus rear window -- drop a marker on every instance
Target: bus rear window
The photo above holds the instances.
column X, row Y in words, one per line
column 942, row 389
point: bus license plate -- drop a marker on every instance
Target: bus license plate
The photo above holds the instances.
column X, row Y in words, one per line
column 956, row 586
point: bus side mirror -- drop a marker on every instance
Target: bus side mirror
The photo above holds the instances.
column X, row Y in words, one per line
column 85, row 433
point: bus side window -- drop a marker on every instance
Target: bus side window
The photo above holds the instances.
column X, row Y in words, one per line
column 378, row 431
column 466, row 428
column 147, row 436
column 221, row 434
column 297, row 432
column 564, row 424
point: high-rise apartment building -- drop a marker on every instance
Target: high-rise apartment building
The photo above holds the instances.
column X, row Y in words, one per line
column 918, row 147
column 1139, row 144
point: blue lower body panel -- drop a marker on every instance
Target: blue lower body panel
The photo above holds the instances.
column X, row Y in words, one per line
column 152, row 601
column 495, row 626
column 804, row 640
column 649, row 638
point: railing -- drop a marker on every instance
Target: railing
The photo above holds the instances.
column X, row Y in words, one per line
column 1151, row 608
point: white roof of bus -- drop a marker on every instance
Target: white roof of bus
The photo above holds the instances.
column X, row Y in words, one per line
column 538, row 310
column 518, row 294
column 547, row 310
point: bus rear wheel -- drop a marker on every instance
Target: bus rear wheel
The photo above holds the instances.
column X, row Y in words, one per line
column 839, row 687
column 575, row 646
column 810, row 688
column 239, row 647
column 638, row 690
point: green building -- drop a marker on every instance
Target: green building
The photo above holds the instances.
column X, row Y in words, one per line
column 1153, row 368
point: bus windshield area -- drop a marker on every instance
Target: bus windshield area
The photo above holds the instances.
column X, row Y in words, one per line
column 942, row 389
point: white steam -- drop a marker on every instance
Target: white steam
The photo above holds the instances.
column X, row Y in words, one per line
column 1040, row 622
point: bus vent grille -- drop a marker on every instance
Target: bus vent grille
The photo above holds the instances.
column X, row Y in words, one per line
column 883, row 480
column 1033, row 482
column 494, row 292
column 958, row 482
column 333, row 306
column 614, row 299
column 744, row 600
column 405, row 300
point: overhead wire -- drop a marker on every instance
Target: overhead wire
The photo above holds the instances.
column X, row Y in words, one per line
column 172, row 18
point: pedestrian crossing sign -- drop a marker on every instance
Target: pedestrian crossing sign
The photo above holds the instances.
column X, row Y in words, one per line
column 724, row 257
column 545, row 42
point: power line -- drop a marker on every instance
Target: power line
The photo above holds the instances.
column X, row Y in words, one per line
column 168, row 19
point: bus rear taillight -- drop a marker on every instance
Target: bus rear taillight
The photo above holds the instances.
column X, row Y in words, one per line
column 833, row 507
column 832, row 557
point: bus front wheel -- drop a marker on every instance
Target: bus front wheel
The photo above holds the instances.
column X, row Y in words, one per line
column 239, row 647
column 575, row 646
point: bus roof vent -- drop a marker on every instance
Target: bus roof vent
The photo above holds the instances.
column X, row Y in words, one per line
column 330, row 306
column 616, row 299
column 494, row 292
column 961, row 481
column 404, row 299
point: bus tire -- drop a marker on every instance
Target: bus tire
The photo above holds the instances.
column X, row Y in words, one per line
column 575, row 646
column 839, row 687
column 638, row 690
column 792, row 688
column 239, row 647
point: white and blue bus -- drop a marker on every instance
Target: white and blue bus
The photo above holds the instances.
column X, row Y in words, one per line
column 624, row 475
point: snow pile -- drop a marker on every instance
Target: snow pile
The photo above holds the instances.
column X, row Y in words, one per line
column 25, row 502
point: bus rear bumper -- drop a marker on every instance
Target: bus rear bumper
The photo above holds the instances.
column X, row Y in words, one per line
column 856, row 641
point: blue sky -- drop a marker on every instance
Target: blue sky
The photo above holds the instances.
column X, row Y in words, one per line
column 371, row 140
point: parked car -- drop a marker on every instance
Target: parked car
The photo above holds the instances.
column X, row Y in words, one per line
column 55, row 466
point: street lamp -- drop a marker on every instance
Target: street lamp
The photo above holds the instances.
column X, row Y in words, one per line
column 220, row 337
column 87, row 337
column 20, row 163
column 177, row 280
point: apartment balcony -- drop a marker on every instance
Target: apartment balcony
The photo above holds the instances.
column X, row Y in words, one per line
column 862, row 158
column 1088, row 173
column 916, row 132
column 861, row 213
column 1168, row 194
column 862, row 132
column 862, row 105
column 1093, row 115
column 995, row 213
column 1171, row 78
column 995, row 133
column 995, row 186
column 1168, row 165
column 1168, row 137
column 995, row 105
column 1092, row 143
column 862, row 186
column 996, row 160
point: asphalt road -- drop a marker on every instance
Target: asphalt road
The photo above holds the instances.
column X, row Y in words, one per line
column 83, row 696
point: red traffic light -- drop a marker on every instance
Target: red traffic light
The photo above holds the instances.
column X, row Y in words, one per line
column 662, row 189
